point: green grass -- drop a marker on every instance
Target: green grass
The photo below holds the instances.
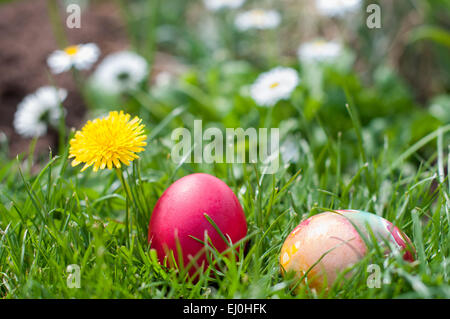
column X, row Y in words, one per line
column 61, row 217
column 363, row 142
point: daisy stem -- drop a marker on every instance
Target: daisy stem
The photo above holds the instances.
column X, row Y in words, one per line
column 62, row 130
column 76, row 75
column 268, row 120
column 31, row 154
column 272, row 51
column 226, row 33
column 128, row 197
column 57, row 25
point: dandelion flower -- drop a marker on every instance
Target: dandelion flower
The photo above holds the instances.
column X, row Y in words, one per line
column 120, row 72
column 108, row 142
column 215, row 5
column 274, row 85
column 334, row 8
column 257, row 19
column 319, row 51
column 38, row 110
column 80, row 57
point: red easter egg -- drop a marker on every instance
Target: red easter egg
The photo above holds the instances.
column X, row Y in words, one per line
column 179, row 215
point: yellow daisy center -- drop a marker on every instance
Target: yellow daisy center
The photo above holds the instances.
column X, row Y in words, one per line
column 274, row 85
column 320, row 43
column 108, row 142
column 71, row 50
column 258, row 15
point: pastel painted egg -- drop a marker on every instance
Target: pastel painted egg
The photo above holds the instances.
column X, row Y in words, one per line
column 336, row 237
column 179, row 215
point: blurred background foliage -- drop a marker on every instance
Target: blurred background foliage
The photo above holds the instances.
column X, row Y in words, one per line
column 397, row 76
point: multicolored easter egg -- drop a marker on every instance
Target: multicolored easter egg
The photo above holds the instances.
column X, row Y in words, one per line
column 179, row 218
column 338, row 238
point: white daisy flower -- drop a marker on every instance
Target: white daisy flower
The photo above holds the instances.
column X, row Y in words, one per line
column 121, row 71
column 337, row 7
column 274, row 85
column 215, row 5
column 319, row 51
column 80, row 57
column 257, row 19
column 38, row 110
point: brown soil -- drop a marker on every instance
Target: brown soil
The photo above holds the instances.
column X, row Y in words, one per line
column 26, row 41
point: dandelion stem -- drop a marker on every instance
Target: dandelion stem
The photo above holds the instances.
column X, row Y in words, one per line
column 128, row 197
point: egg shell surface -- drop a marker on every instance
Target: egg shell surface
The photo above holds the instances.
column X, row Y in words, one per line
column 179, row 214
column 336, row 238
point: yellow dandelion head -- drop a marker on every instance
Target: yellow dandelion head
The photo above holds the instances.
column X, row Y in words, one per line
column 108, row 142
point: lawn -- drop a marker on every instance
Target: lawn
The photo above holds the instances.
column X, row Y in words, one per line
column 366, row 129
